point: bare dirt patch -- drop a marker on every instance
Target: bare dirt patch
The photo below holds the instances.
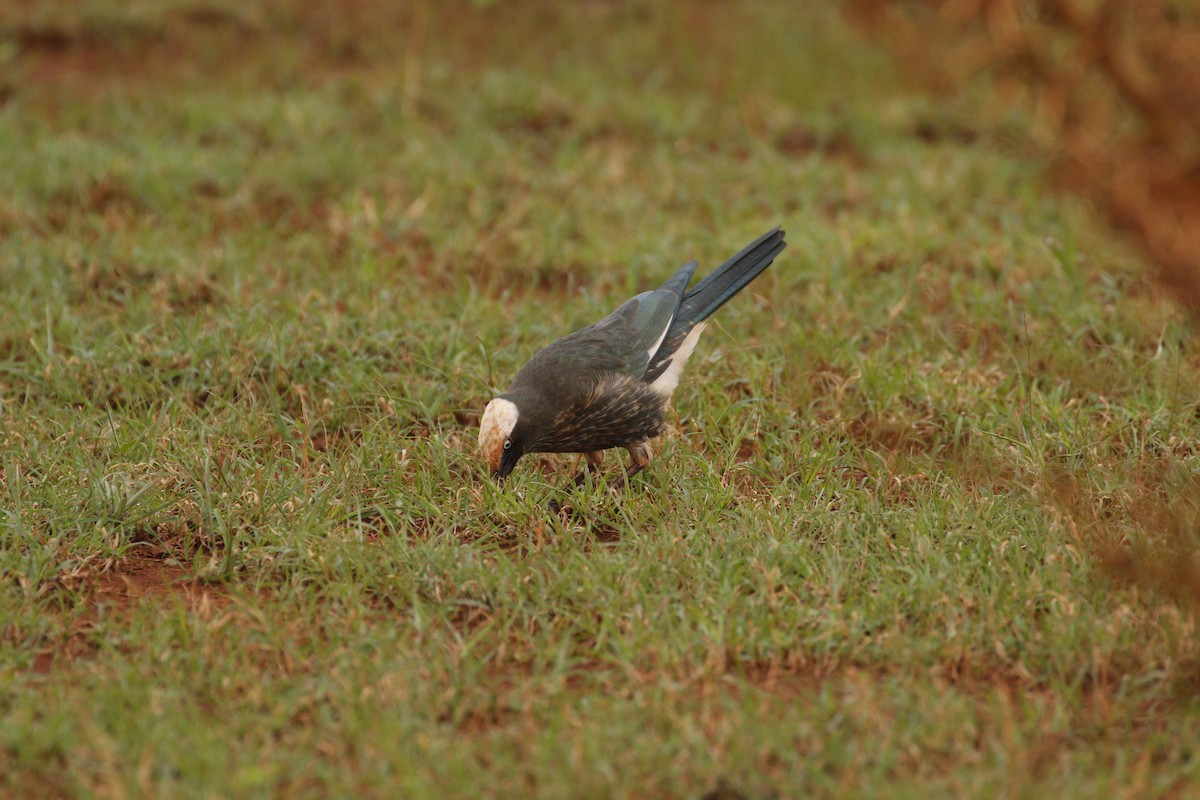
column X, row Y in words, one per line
column 147, row 577
column 130, row 583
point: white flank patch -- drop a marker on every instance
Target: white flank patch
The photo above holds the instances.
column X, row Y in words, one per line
column 499, row 419
column 665, row 384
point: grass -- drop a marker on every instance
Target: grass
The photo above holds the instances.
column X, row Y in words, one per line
column 264, row 266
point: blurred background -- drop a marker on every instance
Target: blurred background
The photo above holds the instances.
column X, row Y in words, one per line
column 1103, row 95
column 1108, row 91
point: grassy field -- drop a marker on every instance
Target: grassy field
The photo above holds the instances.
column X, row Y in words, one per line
column 923, row 522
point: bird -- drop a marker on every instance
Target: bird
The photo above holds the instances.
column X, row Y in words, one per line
column 609, row 385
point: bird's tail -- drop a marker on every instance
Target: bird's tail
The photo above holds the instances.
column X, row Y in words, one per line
column 702, row 301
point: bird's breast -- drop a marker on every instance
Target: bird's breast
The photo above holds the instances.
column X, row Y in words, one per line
column 618, row 412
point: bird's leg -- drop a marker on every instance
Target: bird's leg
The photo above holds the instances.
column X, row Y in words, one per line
column 593, row 462
column 639, row 456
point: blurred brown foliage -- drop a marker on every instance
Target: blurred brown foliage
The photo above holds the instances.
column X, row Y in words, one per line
column 1114, row 87
column 1145, row 534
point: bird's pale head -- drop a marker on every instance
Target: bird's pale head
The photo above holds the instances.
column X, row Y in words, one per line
column 497, row 438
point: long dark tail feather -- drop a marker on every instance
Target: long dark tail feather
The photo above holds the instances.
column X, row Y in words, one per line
column 713, row 292
column 702, row 301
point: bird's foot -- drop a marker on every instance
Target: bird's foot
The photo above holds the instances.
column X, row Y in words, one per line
column 622, row 480
column 639, row 457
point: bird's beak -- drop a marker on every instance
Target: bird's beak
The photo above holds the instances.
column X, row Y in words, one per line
column 507, row 461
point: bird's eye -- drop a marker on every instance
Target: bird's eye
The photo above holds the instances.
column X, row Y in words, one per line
column 507, row 443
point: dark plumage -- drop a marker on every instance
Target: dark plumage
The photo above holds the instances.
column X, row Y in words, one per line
column 609, row 384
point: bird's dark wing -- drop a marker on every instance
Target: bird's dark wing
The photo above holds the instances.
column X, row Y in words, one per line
column 622, row 343
column 628, row 338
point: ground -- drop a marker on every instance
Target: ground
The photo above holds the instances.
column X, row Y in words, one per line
column 922, row 521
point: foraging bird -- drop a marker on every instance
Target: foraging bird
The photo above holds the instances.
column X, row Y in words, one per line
column 609, row 384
